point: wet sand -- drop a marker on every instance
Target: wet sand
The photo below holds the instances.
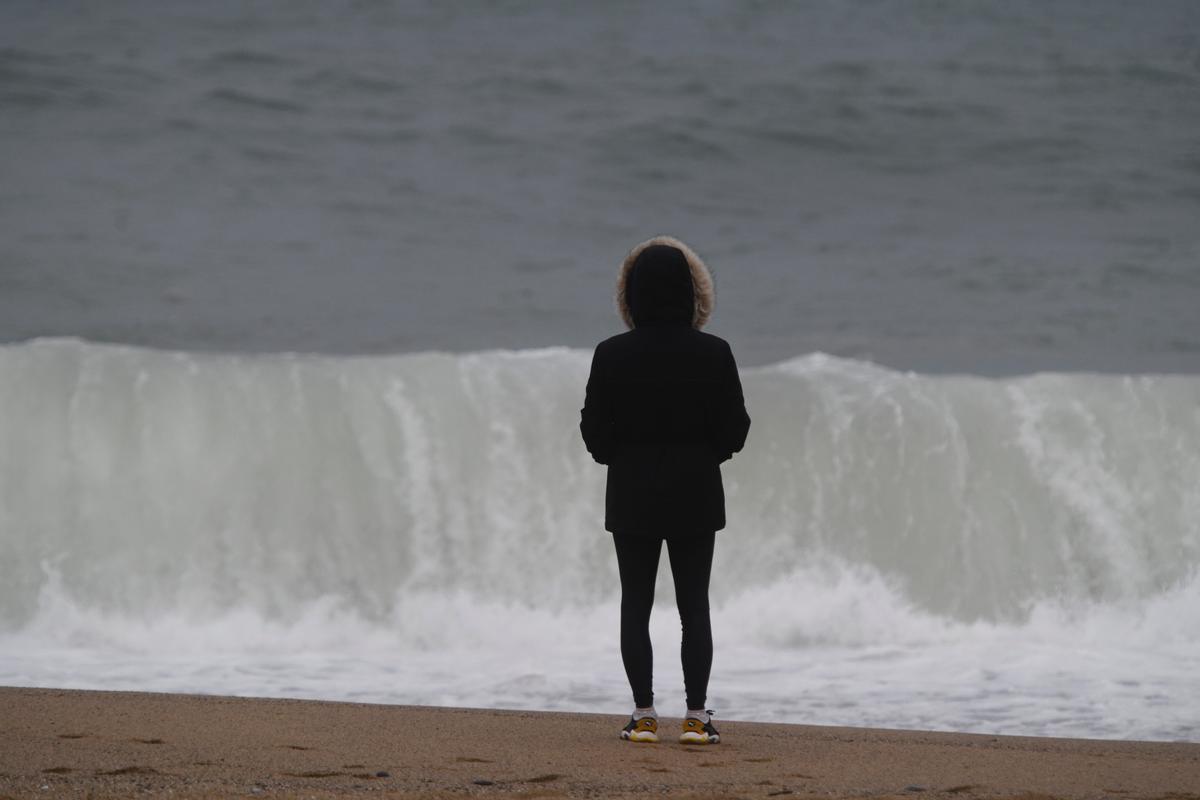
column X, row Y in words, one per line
column 61, row 743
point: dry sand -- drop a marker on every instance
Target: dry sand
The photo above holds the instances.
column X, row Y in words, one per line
column 116, row 744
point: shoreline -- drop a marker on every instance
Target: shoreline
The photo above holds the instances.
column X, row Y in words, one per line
column 59, row 742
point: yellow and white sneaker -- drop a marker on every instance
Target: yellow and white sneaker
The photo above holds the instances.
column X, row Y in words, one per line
column 697, row 731
column 641, row 730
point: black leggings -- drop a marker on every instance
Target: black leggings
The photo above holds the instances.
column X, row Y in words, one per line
column 691, row 564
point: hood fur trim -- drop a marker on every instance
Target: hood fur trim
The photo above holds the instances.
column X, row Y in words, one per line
column 702, row 283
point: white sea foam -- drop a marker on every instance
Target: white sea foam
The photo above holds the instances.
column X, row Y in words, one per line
column 947, row 552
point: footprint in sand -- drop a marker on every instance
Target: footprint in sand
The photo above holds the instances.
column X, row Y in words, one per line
column 134, row 770
column 552, row 776
column 316, row 773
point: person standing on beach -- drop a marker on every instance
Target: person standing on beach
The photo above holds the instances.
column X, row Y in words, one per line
column 663, row 409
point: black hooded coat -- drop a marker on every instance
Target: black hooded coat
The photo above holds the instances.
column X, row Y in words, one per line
column 664, row 404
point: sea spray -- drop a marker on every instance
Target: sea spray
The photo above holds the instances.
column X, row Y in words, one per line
column 903, row 550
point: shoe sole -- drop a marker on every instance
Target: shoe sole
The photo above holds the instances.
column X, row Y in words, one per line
column 643, row 738
column 698, row 738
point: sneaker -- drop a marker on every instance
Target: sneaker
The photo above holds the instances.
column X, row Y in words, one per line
column 641, row 730
column 697, row 732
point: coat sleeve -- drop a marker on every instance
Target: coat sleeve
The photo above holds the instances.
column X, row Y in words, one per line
column 731, row 423
column 596, row 418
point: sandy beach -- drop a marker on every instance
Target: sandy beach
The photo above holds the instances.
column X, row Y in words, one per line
column 115, row 744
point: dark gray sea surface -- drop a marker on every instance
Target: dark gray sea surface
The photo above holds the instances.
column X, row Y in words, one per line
column 987, row 187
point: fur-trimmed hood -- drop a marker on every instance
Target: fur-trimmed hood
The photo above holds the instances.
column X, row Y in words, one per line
column 659, row 291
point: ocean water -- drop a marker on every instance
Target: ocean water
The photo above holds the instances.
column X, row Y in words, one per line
column 988, row 187
column 1010, row 555
column 297, row 301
